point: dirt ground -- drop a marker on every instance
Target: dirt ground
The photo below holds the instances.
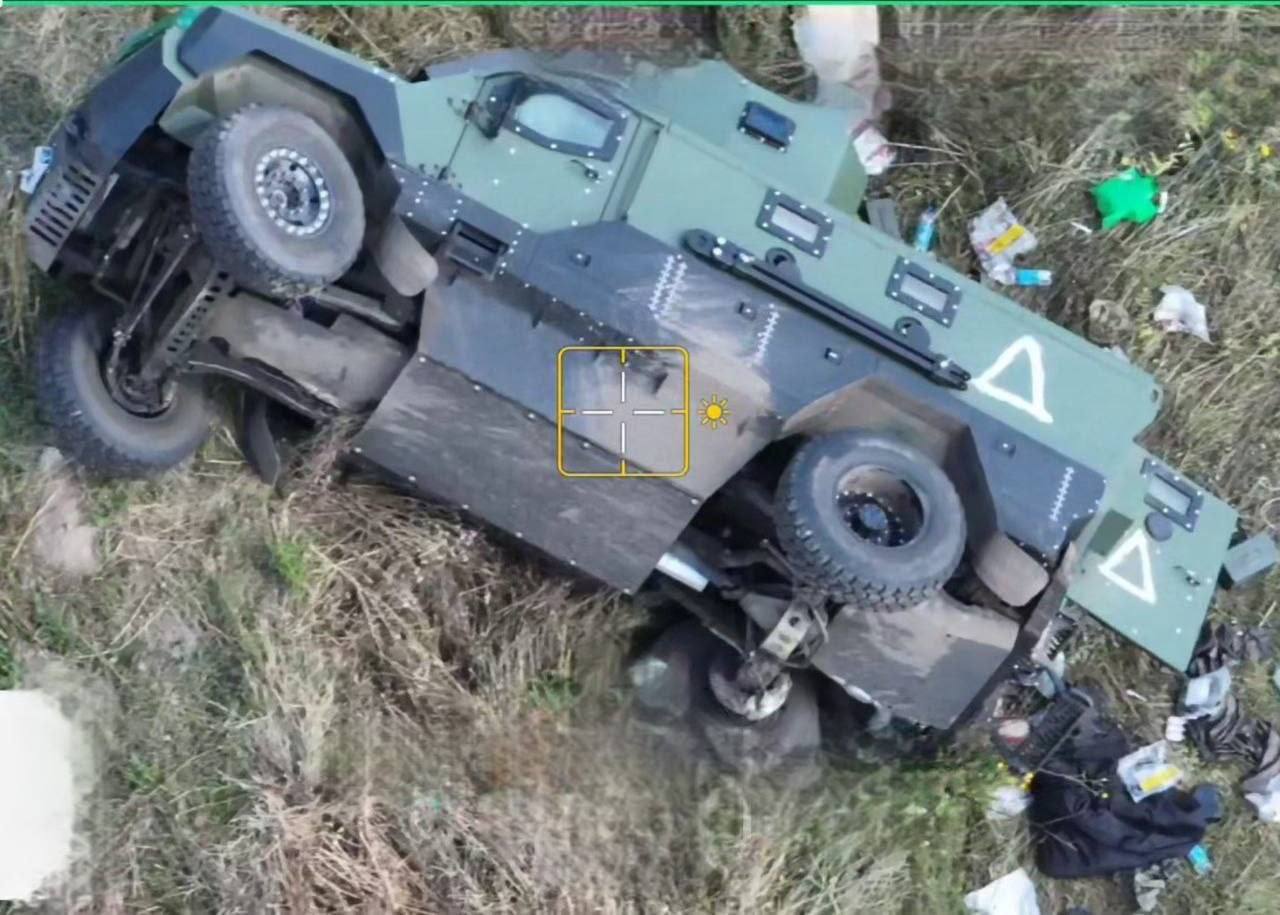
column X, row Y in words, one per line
column 340, row 700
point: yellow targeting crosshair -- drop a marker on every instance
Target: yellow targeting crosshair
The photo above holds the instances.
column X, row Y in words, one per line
column 714, row 412
column 624, row 412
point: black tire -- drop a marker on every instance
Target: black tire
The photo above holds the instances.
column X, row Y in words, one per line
column 271, row 251
column 870, row 519
column 89, row 426
column 681, row 697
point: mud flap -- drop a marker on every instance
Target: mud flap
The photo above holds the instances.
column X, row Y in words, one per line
column 256, row 438
column 927, row 663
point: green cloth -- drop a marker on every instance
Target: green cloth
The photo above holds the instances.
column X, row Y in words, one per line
column 1128, row 197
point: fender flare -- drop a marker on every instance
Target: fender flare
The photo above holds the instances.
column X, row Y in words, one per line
column 221, row 37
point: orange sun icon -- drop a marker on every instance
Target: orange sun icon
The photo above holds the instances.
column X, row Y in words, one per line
column 714, row 412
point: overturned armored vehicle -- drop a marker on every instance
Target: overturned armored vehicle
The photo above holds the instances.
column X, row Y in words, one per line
column 634, row 319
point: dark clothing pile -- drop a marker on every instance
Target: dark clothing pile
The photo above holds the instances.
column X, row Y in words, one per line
column 1084, row 822
column 1232, row 733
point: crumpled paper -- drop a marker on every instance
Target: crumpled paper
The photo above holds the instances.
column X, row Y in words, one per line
column 1012, row 894
column 998, row 237
column 1179, row 312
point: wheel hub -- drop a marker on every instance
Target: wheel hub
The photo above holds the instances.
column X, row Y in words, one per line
column 292, row 191
column 879, row 508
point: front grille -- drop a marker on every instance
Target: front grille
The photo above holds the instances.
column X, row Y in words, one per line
column 59, row 203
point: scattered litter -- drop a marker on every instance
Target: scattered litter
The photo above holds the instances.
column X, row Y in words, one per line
column 1032, row 277
column 1109, row 323
column 1199, row 858
column 29, row 178
column 882, row 213
column 1012, row 894
column 839, row 43
column 1150, row 882
column 873, row 149
column 1008, row 802
column 1267, row 802
column 1205, row 696
column 1085, row 825
column 1014, row 731
column 1050, row 675
column 1275, row 678
column 998, row 237
column 1179, row 312
column 1147, row 771
column 926, row 228
column 1175, row 729
column 1130, row 196
column 1081, row 228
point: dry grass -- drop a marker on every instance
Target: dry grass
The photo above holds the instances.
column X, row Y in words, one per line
column 339, row 700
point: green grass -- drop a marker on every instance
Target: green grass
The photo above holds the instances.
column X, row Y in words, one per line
column 338, row 698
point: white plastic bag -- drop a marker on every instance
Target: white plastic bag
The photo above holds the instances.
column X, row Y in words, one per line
column 1179, row 313
column 1012, row 894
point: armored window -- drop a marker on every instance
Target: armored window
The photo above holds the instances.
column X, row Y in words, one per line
column 766, row 125
column 558, row 118
column 795, row 223
column 918, row 287
column 1176, row 498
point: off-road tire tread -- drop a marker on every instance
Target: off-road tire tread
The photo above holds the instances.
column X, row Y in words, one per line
column 232, row 247
column 59, row 404
column 814, row 558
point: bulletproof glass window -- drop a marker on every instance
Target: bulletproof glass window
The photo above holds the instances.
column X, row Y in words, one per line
column 1176, row 498
column 559, row 118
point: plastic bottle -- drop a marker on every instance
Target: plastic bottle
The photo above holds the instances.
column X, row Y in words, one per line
column 926, row 229
column 1031, row 277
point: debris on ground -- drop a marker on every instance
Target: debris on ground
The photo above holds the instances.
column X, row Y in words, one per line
column 1230, row 733
column 61, row 540
column 873, row 149
column 1026, row 276
column 1150, row 882
column 1199, row 858
column 1205, row 695
column 998, row 237
column 1085, row 824
column 839, row 44
column 1130, row 196
column 882, row 213
column 1012, row 894
column 1178, row 312
column 1267, row 801
column 1109, row 323
column 1147, row 771
column 1008, row 802
column 926, row 229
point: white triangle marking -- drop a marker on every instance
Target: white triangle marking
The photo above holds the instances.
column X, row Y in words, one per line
column 1135, row 542
column 986, row 382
